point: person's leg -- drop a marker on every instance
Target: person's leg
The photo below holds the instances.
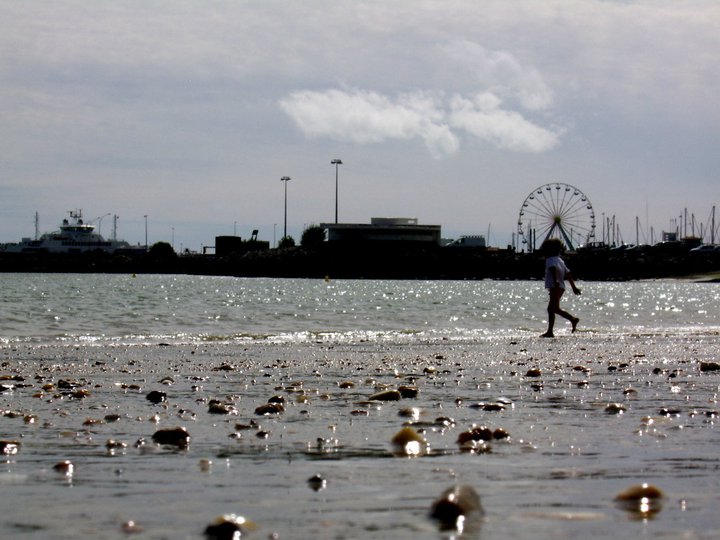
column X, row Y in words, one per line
column 573, row 320
column 553, row 308
column 551, row 324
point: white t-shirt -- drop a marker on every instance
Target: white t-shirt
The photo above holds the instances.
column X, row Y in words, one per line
column 560, row 270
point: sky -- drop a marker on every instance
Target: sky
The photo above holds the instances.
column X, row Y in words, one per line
column 450, row 111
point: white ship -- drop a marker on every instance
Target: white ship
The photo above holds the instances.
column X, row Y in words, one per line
column 74, row 236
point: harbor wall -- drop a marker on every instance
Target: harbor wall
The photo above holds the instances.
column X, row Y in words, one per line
column 396, row 261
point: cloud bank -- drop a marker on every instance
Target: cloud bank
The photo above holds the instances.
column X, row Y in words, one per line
column 365, row 117
column 439, row 118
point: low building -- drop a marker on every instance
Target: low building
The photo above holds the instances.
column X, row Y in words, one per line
column 401, row 230
column 234, row 245
column 469, row 241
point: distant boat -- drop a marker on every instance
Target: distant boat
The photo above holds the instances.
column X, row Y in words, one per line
column 74, row 236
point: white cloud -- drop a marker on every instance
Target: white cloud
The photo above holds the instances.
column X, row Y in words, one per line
column 367, row 117
column 485, row 105
column 502, row 73
column 485, row 119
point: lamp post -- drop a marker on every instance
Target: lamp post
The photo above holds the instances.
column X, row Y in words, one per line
column 285, row 179
column 146, row 244
column 336, row 162
column 100, row 222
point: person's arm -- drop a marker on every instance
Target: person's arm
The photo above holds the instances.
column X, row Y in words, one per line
column 569, row 278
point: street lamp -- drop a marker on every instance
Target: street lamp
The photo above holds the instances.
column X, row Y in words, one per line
column 100, row 222
column 146, row 244
column 336, row 162
column 285, row 179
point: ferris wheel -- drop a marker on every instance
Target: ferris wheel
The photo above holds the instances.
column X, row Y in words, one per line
column 556, row 211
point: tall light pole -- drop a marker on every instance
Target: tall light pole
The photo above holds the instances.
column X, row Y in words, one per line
column 146, row 245
column 100, row 222
column 336, row 162
column 285, row 179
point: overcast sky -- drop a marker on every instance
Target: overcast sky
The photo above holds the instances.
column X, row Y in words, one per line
column 448, row 111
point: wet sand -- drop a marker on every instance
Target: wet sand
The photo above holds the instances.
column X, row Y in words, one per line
column 586, row 416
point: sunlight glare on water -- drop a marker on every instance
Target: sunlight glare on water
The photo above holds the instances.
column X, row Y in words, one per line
column 119, row 308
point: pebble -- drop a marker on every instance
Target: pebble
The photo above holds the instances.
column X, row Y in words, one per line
column 615, row 408
column 481, row 433
column 9, row 448
column 709, row 366
column 64, row 467
column 130, row 527
column 317, row 482
column 408, row 392
column 112, row 444
column 228, row 527
column 216, row 407
column 489, row 407
column 455, row 507
column 269, row 409
column 410, row 412
column 156, row 397
column 583, row 369
column 408, row 442
column 224, row 367
column 500, row 434
column 177, row 436
column 475, row 447
column 386, row 395
column 644, row 499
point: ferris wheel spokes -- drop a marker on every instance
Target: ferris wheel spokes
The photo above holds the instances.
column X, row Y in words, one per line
column 556, row 211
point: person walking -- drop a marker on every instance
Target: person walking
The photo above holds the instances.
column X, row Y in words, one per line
column 556, row 273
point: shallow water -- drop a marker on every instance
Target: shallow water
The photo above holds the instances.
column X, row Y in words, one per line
column 556, row 477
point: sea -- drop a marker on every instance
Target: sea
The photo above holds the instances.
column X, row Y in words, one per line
column 387, row 391
column 134, row 309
